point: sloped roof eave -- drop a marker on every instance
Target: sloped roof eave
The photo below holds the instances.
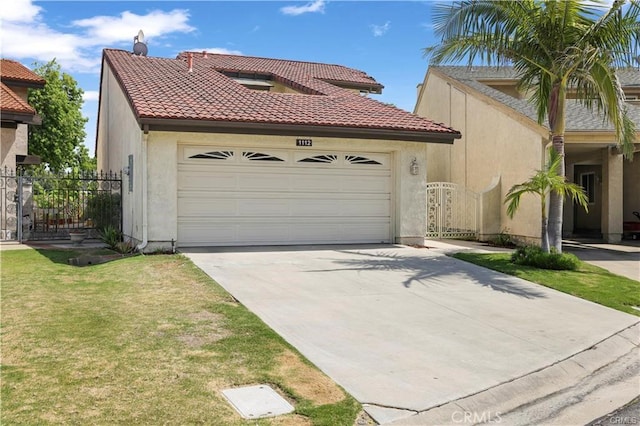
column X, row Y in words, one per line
column 207, row 126
column 30, row 84
column 21, row 117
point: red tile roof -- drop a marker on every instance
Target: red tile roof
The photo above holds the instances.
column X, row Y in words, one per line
column 160, row 88
column 14, row 71
column 10, row 102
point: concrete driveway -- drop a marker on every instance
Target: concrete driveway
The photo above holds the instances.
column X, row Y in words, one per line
column 405, row 330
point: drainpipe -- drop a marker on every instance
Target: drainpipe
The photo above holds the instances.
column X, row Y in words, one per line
column 143, row 182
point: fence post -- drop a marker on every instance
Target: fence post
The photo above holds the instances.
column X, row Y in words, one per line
column 19, row 217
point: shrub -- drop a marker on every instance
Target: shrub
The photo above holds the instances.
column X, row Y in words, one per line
column 110, row 236
column 536, row 257
column 104, row 209
column 503, row 239
column 113, row 239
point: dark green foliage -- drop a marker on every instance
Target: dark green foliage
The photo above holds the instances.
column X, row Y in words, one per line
column 103, row 208
column 113, row 238
column 59, row 140
column 538, row 258
column 110, row 236
column 503, row 239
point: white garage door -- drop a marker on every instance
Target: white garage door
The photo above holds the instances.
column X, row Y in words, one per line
column 243, row 196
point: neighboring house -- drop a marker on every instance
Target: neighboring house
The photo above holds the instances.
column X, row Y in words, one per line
column 236, row 150
column 16, row 114
column 502, row 144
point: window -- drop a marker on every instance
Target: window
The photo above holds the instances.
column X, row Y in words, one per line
column 588, row 182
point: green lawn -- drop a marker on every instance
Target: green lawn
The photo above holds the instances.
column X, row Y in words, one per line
column 141, row 340
column 588, row 282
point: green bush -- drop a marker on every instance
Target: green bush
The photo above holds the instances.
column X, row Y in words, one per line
column 503, row 239
column 113, row 239
column 536, row 257
column 104, row 209
column 110, row 236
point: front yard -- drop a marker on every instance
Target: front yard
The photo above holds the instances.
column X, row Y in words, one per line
column 141, row 340
column 588, row 282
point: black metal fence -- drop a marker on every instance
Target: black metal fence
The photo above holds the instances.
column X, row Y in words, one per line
column 47, row 206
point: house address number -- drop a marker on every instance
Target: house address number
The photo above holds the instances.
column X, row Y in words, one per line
column 304, row 142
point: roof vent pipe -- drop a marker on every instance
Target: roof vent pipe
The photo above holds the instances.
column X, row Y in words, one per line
column 190, row 61
column 204, row 54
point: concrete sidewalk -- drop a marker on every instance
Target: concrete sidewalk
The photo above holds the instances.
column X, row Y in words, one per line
column 419, row 337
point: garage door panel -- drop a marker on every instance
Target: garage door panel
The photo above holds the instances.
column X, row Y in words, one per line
column 253, row 233
column 197, row 233
column 238, row 200
column 284, row 182
column 190, row 180
column 205, row 207
column 253, row 182
column 329, row 207
column 282, row 195
column 345, row 208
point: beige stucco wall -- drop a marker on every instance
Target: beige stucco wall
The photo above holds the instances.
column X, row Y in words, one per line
column 12, row 142
column 494, row 143
column 435, row 104
column 408, row 217
column 631, row 188
column 119, row 135
column 612, row 205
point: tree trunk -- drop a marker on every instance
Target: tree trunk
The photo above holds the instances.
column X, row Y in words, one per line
column 556, row 201
column 545, row 236
column 556, row 116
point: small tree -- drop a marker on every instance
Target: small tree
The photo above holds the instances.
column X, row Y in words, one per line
column 59, row 141
column 543, row 183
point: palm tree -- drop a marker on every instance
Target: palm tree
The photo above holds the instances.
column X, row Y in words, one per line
column 554, row 46
column 543, row 183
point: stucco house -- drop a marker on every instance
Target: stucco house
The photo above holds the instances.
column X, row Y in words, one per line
column 236, row 150
column 502, row 144
column 16, row 114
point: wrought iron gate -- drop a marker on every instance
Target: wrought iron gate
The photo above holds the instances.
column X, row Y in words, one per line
column 452, row 211
column 46, row 206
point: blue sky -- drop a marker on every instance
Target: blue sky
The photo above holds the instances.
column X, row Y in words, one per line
column 383, row 38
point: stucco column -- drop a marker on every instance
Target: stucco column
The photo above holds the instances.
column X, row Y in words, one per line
column 568, row 219
column 411, row 195
column 612, row 188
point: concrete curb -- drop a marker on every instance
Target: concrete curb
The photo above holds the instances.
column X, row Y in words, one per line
column 520, row 395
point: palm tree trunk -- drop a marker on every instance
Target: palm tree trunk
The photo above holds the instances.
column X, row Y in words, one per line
column 556, row 201
column 545, row 236
column 557, row 101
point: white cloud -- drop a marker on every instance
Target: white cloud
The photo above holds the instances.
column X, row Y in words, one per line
column 220, row 50
column 104, row 30
column 90, row 95
column 380, row 30
column 20, row 11
column 313, row 7
column 24, row 35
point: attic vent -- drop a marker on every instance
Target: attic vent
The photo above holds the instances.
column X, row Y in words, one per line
column 353, row 159
column 257, row 156
column 215, row 155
